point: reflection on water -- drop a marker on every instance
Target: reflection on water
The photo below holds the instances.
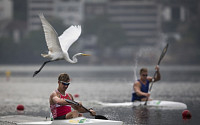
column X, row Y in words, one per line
column 105, row 84
column 141, row 115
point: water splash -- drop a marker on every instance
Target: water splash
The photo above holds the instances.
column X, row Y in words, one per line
column 135, row 68
column 141, row 53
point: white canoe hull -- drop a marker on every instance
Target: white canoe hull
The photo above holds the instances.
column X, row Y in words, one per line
column 75, row 121
column 153, row 103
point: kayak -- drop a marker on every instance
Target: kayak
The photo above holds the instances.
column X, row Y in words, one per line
column 153, row 103
column 32, row 120
column 75, row 121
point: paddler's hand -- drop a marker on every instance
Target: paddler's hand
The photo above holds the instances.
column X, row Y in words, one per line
column 147, row 94
column 157, row 68
column 80, row 104
column 92, row 112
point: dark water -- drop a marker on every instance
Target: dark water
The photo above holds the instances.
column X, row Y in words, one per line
column 105, row 84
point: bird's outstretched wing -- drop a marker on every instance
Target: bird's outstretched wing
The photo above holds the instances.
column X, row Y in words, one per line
column 69, row 36
column 51, row 35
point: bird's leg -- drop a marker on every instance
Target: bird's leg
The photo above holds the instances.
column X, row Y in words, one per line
column 36, row 72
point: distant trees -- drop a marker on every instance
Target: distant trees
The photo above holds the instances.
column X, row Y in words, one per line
column 110, row 37
column 109, row 34
column 29, row 49
column 186, row 50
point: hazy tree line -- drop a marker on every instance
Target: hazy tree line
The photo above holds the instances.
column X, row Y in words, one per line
column 182, row 52
column 29, row 49
column 187, row 49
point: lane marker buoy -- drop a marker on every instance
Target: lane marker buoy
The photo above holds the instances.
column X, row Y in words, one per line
column 76, row 95
column 20, row 107
column 186, row 114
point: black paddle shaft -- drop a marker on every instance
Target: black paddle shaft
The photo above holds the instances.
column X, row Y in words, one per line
column 76, row 103
column 161, row 57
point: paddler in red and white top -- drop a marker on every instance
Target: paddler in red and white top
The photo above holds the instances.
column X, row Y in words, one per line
column 61, row 109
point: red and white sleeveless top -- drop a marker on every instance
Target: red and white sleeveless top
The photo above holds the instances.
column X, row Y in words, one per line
column 60, row 110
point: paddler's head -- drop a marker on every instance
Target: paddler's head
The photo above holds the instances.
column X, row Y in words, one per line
column 143, row 73
column 63, row 81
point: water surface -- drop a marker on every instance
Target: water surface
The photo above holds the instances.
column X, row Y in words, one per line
column 105, row 84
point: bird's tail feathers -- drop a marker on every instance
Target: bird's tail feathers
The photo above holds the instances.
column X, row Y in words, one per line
column 45, row 55
column 41, row 15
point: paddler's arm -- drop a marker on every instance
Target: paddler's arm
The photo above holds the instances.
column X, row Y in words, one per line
column 75, row 107
column 137, row 90
column 80, row 109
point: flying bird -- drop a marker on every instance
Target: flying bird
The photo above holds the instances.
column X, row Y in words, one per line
column 58, row 46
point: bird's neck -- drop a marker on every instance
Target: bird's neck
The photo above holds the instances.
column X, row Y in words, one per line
column 74, row 59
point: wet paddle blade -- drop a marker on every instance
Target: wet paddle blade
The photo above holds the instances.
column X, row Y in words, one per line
column 100, row 117
column 163, row 53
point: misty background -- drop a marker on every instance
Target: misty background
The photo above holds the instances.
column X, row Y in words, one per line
column 121, row 36
column 114, row 32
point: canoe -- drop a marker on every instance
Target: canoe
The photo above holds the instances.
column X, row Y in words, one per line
column 75, row 121
column 153, row 103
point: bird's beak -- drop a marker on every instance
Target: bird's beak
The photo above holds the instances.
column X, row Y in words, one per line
column 85, row 54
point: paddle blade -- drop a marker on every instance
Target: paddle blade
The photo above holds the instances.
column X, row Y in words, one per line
column 100, row 117
column 163, row 53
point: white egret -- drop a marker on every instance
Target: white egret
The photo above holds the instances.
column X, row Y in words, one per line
column 58, row 46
